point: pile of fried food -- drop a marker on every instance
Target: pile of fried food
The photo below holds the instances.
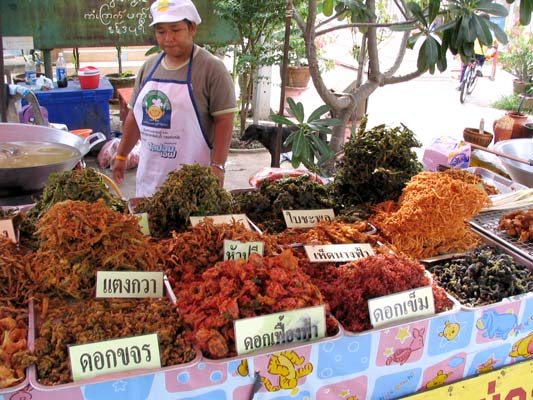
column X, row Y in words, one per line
column 518, row 223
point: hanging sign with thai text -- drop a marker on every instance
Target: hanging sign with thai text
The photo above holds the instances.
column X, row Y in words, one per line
column 119, row 355
column 307, row 218
column 338, row 252
column 403, row 305
column 302, row 325
column 234, row 250
column 129, row 284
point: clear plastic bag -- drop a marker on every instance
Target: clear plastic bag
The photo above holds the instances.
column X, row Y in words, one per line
column 107, row 153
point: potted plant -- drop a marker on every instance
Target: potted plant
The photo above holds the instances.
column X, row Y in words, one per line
column 517, row 58
column 308, row 148
column 122, row 79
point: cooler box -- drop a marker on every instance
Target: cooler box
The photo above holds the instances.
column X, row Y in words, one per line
column 79, row 108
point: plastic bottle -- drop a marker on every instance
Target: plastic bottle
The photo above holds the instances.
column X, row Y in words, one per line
column 61, row 71
column 30, row 72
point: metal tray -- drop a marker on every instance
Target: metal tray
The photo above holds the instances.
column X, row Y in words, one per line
column 486, row 225
column 501, row 183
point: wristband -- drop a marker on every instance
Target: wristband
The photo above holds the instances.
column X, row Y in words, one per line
column 218, row 166
column 121, row 158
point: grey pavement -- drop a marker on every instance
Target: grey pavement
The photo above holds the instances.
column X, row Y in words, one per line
column 428, row 105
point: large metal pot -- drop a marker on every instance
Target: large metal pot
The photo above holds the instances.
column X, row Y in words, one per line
column 34, row 178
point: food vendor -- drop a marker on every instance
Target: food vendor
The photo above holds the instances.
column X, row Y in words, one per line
column 183, row 104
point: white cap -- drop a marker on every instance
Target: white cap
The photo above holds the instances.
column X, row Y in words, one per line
column 174, row 11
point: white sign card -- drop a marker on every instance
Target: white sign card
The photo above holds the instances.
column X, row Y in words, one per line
column 338, row 252
column 129, row 284
column 143, row 223
column 118, row 355
column 411, row 303
column 7, row 230
column 302, row 325
column 307, row 218
column 234, row 250
column 223, row 219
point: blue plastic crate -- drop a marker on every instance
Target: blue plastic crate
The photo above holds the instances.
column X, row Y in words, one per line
column 79, row 108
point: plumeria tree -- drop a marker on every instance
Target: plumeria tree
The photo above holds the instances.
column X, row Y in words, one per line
column 434, row 27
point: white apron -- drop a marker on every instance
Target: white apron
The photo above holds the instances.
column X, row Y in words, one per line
column 170, row 128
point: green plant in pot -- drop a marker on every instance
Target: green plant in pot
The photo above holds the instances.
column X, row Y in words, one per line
column 517, row 58
column 307, row 147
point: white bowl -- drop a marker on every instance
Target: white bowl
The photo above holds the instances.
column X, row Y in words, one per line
column 522, row 148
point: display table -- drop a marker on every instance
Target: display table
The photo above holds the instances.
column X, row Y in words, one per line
column 79, row 108
column 384, row 363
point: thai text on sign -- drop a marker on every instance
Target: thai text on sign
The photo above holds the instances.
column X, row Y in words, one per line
column 302, row 325
column 404, row 305
column 234, row 250
column 338, row 252
column 307, row 218
column 129, row 284
column 119, row 355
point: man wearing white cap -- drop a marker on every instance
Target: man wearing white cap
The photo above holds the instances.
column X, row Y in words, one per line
column 183, row 104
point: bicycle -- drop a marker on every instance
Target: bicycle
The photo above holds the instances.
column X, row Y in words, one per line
column 469, row 81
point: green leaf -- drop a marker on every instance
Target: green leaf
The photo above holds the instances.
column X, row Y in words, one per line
column 402, row 28
column 434, row 6
column 322, row 147
column 297, row 144
column 442, row 63
column 297, row 109
column 328, row 121
column 495, row 9
column 417, row 12
column 526, row 8
column 431, row 51
column 411, row 41
column 421, row 61
column 318, row 112
column 327, row 8
column 498, row 32
column 280, row 119
column 482, row 30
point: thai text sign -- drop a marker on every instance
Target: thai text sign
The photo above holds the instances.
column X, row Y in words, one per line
column 234, row 250
column 398, row 306
column 307, row 218
column 119, row 355
column 143, row 223
column 303, row 325
column 223, row 219
column 129, row 284
column 7, row 230
column 338, row 252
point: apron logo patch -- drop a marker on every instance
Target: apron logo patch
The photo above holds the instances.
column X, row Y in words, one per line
column 164, row 150
column 156, row 110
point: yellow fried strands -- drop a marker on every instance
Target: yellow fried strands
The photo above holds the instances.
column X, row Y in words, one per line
column 471, row 178
column 431, row 215
column 77, row 238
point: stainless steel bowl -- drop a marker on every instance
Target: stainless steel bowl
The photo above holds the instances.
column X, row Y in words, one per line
column 522, row 148
column 35, row 177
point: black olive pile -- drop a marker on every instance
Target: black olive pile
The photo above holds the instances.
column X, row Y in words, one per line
column 482, row 276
